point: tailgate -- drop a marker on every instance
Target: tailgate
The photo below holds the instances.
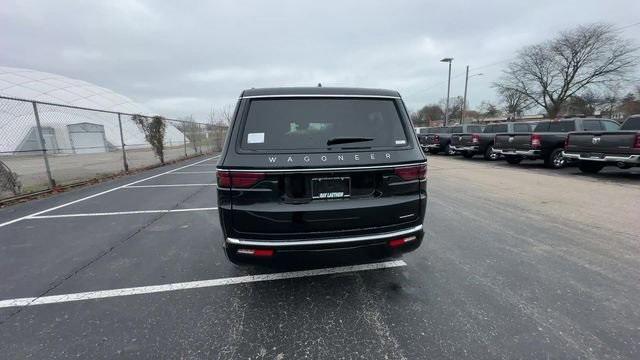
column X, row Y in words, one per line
column 461, row 140
column 512, row 142
column 293, row 205
column 614, row 142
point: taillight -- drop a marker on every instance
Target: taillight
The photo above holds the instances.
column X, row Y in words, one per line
column 566, row 141
column 475, row 138
column 401, row 241
column 240, row 180
column 637, row 143
column 418, row 172
column 536, row 141
column 256, row 252
column 436, row 138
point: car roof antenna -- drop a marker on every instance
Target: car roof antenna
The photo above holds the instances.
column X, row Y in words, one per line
column 319, row 85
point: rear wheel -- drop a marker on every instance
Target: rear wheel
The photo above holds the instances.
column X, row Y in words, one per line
column 489, row 154
column 467, row 154
column 448, row 150
column 513, row 159
column 555, row 160
column 590, row 167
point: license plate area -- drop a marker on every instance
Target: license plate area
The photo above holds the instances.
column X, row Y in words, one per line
column 331, row 187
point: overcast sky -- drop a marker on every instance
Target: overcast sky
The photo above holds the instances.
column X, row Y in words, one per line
column 181, row 57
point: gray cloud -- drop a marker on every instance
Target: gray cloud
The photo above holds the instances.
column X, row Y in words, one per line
column 181, row 58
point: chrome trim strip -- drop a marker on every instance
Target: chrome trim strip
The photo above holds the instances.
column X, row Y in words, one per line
column 517, row 152
column 320, row 95
column 268, row 243
column 322, row 169
column 634, row 159
column 465, row 148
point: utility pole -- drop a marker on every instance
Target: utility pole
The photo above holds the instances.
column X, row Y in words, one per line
column 446, row 108
column 464, row 99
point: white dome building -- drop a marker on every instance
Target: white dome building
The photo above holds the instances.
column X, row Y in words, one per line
column 66, row 130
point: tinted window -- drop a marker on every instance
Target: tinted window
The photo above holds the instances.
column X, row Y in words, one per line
column 281, row 124
column 500, row 128
column 488, row 129
column 521, row 127
column 610, row 125
column 631, row 124
column 456, row 129
column 474, row 128
column 562, row 126
column 542, row 127
column 591, row 125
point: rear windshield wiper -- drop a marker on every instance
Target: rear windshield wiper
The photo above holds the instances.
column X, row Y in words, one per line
column 346, row 140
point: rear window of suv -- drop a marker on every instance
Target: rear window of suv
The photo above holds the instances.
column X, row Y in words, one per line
column 294, row 124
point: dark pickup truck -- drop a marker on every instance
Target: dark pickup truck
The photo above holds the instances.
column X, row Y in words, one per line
column 546, row 141
column 470, row 144
column 596, row 149
column 440, row 140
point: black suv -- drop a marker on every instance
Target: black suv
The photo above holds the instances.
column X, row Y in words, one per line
column 320, row 168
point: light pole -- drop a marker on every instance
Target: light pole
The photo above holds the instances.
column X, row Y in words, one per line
column 446, row 108
column 464, row 99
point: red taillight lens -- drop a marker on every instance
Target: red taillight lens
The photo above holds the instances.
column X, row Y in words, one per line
column 637, row 143
column 536, row 141
column 418, row 172
column 566, row 142
column 240, row 180
column 475, row 138
column 256, row 252
column 436, row 138
column 400, row 242
column 223, row 179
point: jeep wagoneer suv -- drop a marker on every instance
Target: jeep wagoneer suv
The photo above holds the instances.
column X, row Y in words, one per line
column 320, row 168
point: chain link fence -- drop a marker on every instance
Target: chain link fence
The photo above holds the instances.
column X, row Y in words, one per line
column 45, row 146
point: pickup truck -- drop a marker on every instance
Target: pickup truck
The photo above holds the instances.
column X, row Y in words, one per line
column 422, row 133
column 596, row 149
column 546, row 141
column 470, row 144
column 440, row 140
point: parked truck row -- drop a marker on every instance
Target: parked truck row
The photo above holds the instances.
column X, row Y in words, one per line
column 592, row 143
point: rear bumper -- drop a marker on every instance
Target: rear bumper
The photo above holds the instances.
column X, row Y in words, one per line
column 630, row 159
column 431, row 146
column 527, row 153
column 465, row 148
column 326, row 243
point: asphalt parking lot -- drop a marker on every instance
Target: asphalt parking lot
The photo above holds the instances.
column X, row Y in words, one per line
column 518, row 262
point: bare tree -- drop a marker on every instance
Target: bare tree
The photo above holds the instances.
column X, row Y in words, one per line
column 515, row 103
column 551, row 72
column 430, row 113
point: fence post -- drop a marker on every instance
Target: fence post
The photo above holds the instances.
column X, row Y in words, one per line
column 43, row 147
column 184, row 138
column 124, row 153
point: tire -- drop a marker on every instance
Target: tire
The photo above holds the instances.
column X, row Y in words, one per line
column 513, row 159
column 555, row 160
column 467, row 154
column 590, row 167
column 489, row 155
column 448, row 150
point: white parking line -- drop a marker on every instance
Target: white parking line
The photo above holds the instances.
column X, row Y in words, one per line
column 205, row 165
column 121, row 213
column 166, row 185
column 193, row 284
column 193, row 172
column 102, row 193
